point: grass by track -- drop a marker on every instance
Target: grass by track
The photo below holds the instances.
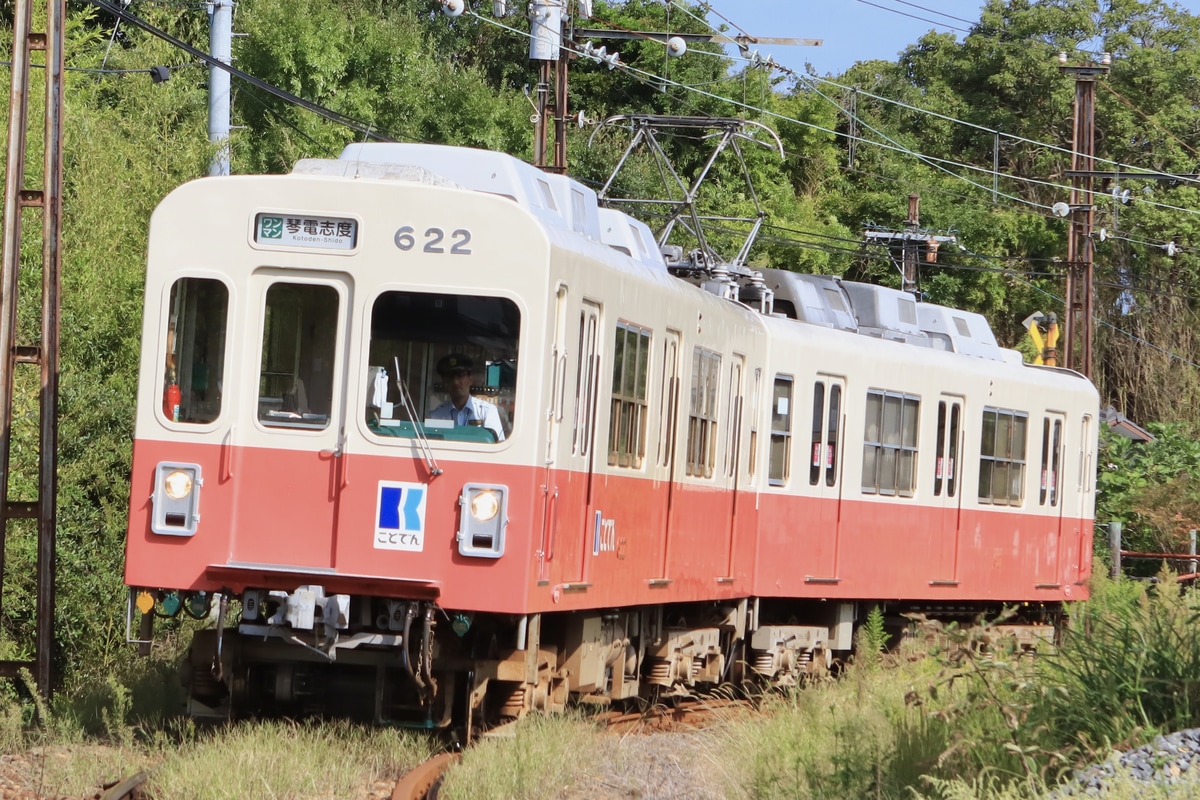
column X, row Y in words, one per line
column 952, row 714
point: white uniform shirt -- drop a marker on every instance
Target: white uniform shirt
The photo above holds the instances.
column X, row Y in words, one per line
column 481, row 412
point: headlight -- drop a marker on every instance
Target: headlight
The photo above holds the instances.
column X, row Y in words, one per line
column 177, row 485
column 176, row 498
column 485, row 506
column 482, row 518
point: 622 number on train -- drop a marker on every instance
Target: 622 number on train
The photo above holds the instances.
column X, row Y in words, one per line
column 435, row 241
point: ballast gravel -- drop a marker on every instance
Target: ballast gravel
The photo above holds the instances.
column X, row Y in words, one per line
column 1167, row 761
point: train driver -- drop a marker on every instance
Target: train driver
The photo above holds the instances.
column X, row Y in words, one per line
column 456, row 371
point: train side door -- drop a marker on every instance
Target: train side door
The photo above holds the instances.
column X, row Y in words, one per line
column 825, row 474
column 947, row 492
column 575, row 483
column 286, row 507
column 554, row 418
column 1050, row 499
column 1080, row 507
column 733, row 447
column 668, row 419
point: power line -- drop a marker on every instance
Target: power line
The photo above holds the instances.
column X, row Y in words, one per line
column 365, row 129
column 939, row 13
column 1134, row 174
column 914, row 16
column 933, row 161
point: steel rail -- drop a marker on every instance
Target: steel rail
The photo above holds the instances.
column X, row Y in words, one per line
column 422, row 782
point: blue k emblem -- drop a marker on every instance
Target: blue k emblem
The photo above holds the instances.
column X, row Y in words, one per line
column 400, row 516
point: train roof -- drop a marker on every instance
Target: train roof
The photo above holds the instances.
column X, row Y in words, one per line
column 556, row 200
column 569, row 207
column 884, row 313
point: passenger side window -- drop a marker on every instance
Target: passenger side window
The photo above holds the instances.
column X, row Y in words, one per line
column 781, row 432
column 890, row 443
column 627, row 420
column 1002, row 457
column 702, row 414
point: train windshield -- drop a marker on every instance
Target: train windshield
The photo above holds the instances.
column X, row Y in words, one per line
column 444, row 365
column 295, row 380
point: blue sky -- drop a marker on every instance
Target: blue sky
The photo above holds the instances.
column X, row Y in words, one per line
column 852, row 30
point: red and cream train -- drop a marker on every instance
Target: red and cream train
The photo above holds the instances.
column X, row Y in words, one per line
column 700, row 480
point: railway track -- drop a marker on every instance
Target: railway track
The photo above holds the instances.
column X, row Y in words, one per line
column 128, row 789
column 422, row 783
column 687, row 714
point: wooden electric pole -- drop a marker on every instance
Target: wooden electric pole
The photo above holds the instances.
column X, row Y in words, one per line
column 1080, row 269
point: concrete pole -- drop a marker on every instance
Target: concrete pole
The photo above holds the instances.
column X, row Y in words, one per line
column 220, row 45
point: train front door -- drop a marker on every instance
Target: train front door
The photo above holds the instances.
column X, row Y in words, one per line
column 289, row 464
column 947, row 492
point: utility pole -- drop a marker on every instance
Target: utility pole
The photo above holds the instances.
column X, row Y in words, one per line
column 909, row 282
column 45, row 198
column 912, row 239
column 1080, row 269
column 547, row 20
column 220, row 45
column 553, row 43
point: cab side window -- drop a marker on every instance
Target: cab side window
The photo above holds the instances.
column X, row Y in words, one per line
column 195, row 343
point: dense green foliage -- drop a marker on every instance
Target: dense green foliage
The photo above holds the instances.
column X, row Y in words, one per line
column 1152, row 489
column 407, row 72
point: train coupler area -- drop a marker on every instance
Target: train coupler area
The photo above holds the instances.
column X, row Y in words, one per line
column 304, row 653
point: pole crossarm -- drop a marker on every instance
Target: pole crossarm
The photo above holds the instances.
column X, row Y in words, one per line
column 1141, row 176
column 741, row 40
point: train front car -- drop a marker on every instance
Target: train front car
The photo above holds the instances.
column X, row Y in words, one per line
column 335, row 416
